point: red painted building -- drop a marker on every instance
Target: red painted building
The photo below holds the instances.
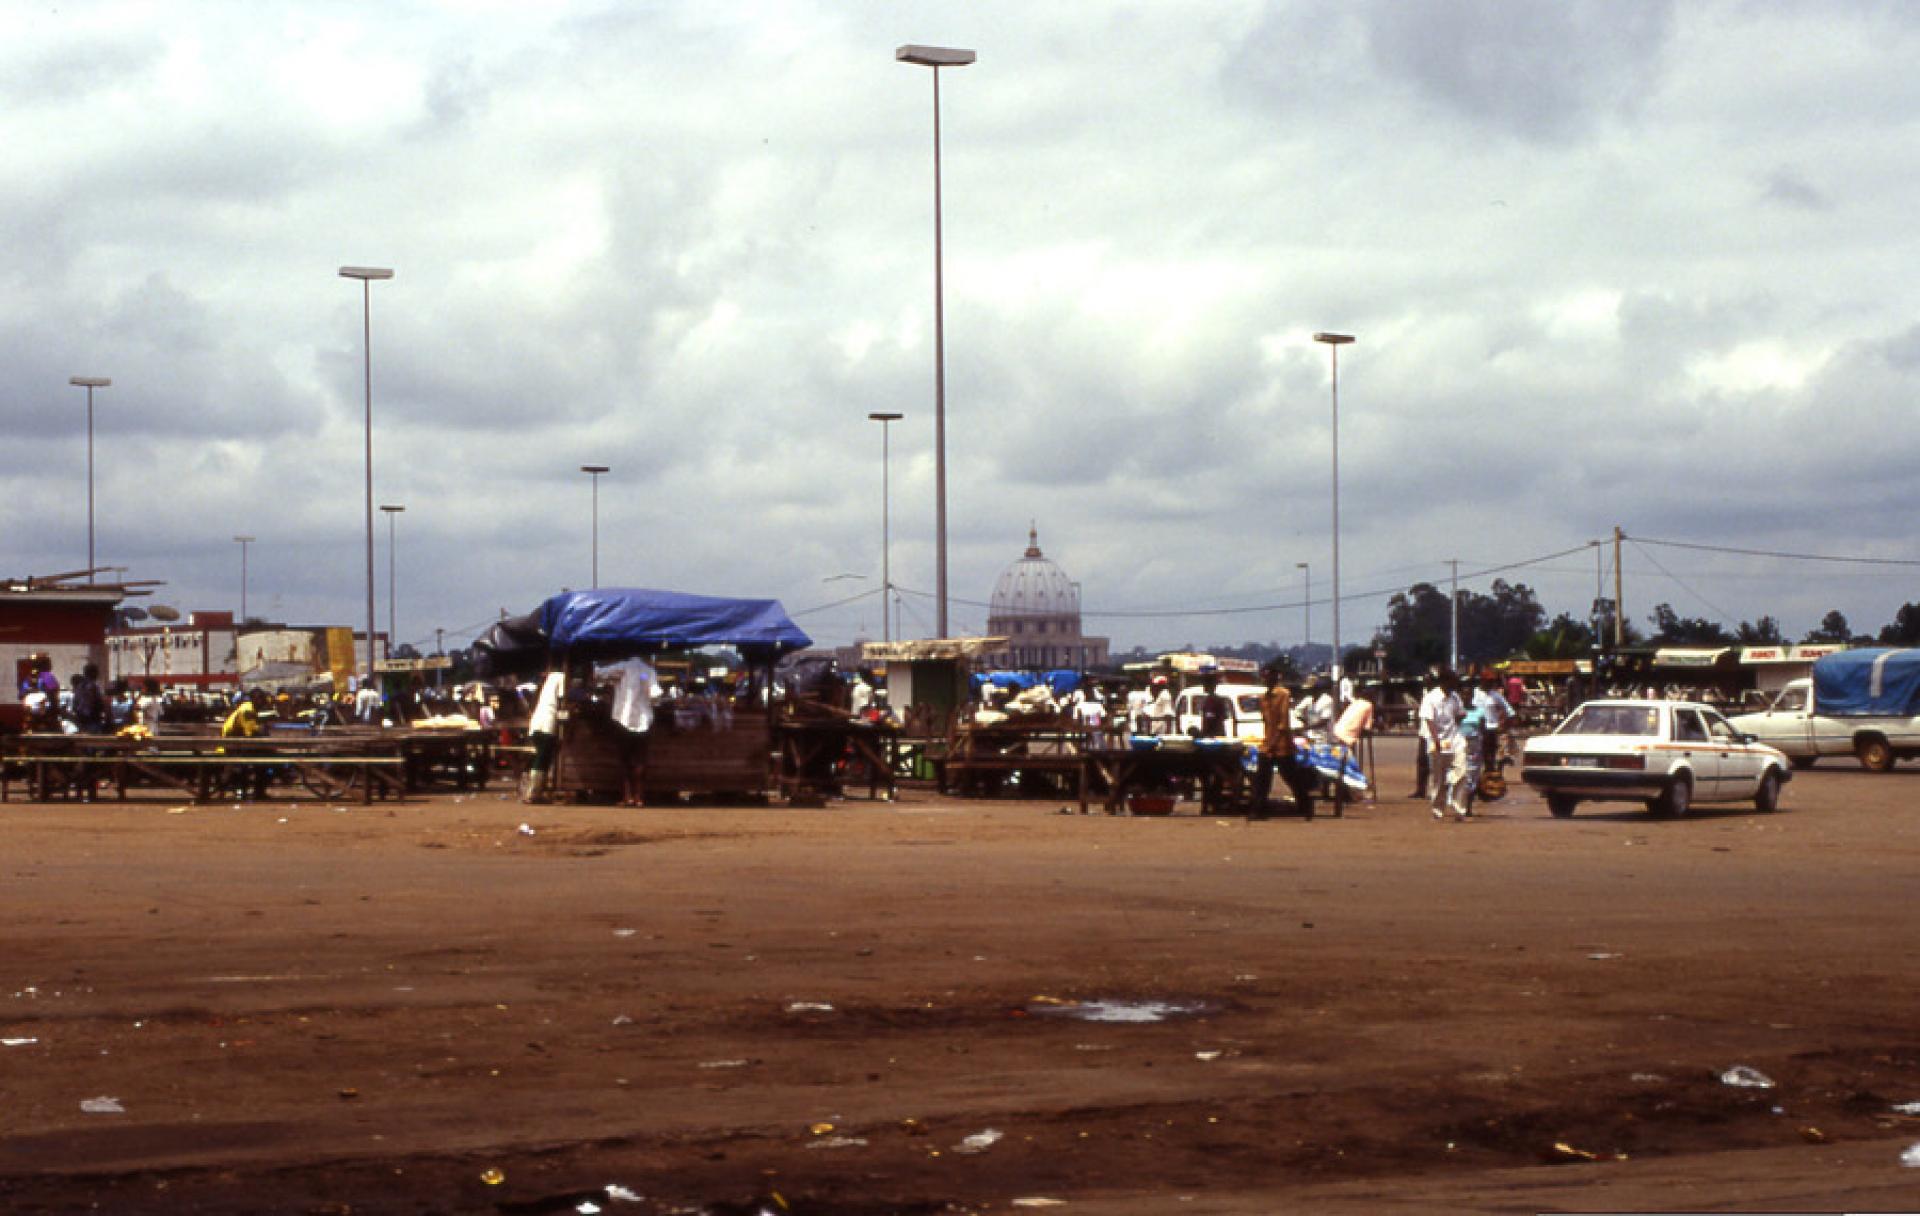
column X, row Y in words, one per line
column 64, row 623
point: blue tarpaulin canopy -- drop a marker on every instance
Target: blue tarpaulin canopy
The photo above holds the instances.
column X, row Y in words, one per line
column 613, row 621
column 1876, row 681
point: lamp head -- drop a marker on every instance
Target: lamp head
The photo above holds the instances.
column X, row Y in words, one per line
column 934, row 56
column 365, row 273
column 1333, row 339
column 89, row 381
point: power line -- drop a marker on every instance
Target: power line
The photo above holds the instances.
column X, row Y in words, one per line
column 1797, row 557
column 1716, row 609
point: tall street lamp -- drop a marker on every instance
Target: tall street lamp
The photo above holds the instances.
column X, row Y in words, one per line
column 89, row 383
column 937, row 57
column 886, row 421
column 1333, row 343
column 367, row 275
column 393, row 588
column 1306, row 602
column 593, row 471
column 243, row 542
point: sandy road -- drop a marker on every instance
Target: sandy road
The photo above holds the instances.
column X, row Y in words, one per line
column 367, row 1009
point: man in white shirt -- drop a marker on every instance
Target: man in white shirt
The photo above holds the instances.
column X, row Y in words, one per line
column 1423, row 735
column 1444, row 726
column 632, row 709
column 1160, row 715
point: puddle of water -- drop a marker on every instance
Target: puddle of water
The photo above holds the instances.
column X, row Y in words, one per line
column 1122, row 1011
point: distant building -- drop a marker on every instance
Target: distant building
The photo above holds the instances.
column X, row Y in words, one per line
column 1036, row 609
column 197, row 653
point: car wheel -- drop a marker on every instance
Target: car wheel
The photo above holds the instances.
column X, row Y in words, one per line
column 1767, row 798
column 1875, row 755
column 1803, row 762
column 1679, row 796
column 1561, row 805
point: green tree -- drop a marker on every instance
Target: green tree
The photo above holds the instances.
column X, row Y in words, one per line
column 1763, row 632
column 1419, row 629
column 1833, row 628
column 1672, row 629
column 1905, row 629
column 1563, row 638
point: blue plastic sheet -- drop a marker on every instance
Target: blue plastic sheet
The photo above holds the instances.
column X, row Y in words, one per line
column 1860, row 683
column 614, row 620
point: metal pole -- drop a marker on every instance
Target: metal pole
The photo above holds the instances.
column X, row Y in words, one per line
column 366, row 338
column 244, row 541
column 593, row 471
column 1334, row 342
column 393, row 586
column 1619, row 593
column 1306, row 598
column 939, row 379
column 89, row 483
column 1453, row 645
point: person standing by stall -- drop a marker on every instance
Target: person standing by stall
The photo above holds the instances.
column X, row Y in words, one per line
column 1276, row 749
column 635, row 687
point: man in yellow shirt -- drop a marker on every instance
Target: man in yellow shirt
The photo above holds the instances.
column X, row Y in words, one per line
column 1276, row 750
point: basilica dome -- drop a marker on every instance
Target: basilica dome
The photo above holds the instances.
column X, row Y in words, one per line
column 1035, row 586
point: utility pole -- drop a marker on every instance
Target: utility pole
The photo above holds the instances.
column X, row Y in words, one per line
column 1619, row 602
column 1453, row 647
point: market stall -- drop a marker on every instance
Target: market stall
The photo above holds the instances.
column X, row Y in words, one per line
column 603, row 730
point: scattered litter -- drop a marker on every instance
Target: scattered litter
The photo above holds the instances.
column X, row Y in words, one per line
column 622, row 1020
column 1602, row 956
column 809, row 1007
column 526, row 829
column 725, row 1063
column 913, row 1127
column 1906, row 1108
column 620, row 1194
column 349, row 1094
column 1038, row 1201
column 493, row 1176
column 27, row 1042
column 1742, row 1077
column 587, row 1207
column 1093, row 1047
column 820, row 1129
column 103, row 1106
column 1911, row 1158
column 838, row 1142
column 1208, row 1056
column 1813, row 1135
column 980, row 1142
column 1121, row 1011
column 1060, row 1001
column 625, row 932
column 1562, row 1149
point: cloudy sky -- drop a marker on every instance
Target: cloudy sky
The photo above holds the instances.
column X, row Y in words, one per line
column 1609, row 262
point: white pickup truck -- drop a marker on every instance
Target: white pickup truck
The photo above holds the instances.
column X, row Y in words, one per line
column 1820, row 716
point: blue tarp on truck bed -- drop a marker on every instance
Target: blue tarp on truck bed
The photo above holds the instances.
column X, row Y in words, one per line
column 1867, row 683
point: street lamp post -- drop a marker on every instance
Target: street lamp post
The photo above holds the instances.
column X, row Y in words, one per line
column 886, row 421
column 937, row 57
column 243, row 542
column 367, row 276
column 1306, row 602
column 1333, row 343
column 593, row 471
column 393, row 587
column 89, row 383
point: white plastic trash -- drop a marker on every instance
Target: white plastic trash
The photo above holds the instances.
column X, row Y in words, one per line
column 1742, row 1077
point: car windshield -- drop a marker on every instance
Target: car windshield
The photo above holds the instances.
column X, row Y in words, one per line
column 1612, row 720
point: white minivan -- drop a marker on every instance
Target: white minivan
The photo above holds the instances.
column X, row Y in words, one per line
column 1246, row 723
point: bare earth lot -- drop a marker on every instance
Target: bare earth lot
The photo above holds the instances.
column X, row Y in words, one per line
column 304, row 1009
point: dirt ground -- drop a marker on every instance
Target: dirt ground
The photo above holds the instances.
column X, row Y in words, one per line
column 423, row 1008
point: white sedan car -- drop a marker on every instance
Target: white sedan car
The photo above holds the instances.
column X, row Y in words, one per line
column 1668, row 754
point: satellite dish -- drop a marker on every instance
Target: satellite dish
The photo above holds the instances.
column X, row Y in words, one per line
column 133, row 612
column 161, row 612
